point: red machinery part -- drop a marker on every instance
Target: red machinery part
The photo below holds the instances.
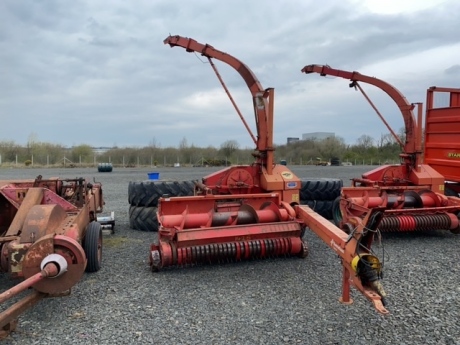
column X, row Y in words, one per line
column 67, row 248
column 51, row 266
column 263, row 175
column 181, row 245
column 361, row 268
column 244, row 227
column 49, row 270
column 412, row 135
column 415, row 209
column 442, row 127
column 165, row 254
column 412, row 187
column 45, row 221
column 233, row 221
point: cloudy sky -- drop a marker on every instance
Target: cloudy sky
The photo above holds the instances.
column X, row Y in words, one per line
column 98, row 73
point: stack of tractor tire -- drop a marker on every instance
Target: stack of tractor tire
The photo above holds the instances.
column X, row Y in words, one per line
column 104, row 167
column 143, row 199
column 143, row 196
column 319, row 194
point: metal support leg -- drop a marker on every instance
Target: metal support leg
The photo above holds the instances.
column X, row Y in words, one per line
column 345, row 299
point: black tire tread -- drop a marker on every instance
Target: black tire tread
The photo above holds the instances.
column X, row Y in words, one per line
column 90, row 246
column 320, row 189
column 143, row 218
column 147, row 193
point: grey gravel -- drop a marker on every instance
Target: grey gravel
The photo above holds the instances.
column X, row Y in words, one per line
column 273, row 301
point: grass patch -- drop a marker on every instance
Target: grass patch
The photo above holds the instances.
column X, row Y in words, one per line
column 115, row 241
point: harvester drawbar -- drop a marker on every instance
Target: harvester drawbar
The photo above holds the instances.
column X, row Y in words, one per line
column 49, row 237
column 411, row 194
column 245, row 212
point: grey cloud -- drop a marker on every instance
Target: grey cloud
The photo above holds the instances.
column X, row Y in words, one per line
column 453, row 70
column 107, row 65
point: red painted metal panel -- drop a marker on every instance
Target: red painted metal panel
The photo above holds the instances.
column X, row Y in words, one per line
column 442, row 133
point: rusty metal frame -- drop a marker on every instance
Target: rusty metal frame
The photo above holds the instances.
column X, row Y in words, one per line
column 44, row 223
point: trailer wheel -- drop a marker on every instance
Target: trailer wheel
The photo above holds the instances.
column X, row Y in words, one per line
column 143, row 218
column 320, row 189
column 92, row 244
column 147, row 193
column 336, row 212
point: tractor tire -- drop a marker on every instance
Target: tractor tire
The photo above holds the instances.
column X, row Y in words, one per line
column 322, row 207
column 336, row 213
column 92, row 244
column 143, row 218
column 147, row 193
column 187, row 188
column 320, row 189
column 104, row 167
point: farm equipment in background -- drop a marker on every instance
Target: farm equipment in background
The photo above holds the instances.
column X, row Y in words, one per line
column 320, row 162
column 253, row 211
column 442, row 130
column 411, row 193
column 335, row 161
column 49, row 236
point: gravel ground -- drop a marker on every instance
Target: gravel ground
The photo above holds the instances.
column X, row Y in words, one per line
column 273, row 301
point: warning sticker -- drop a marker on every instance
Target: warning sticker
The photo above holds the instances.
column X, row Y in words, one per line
column 287, row 175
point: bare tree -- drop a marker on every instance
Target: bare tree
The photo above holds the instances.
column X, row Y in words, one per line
column 386, row 139
column 183, row 143
column 153, row 143
column 229, row 147
column 365, row 141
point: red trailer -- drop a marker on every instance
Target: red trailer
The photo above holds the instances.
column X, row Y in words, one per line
column 442, row 135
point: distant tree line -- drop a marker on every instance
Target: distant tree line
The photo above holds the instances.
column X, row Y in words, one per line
column 366, row 151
